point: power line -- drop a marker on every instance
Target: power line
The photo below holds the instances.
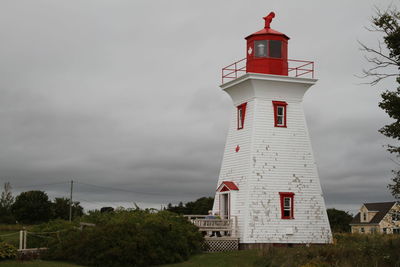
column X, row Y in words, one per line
column 96, row 202
column 129, row 191
column 38, row 185
column 99, row 186
column 122, row 190
column 105, row 188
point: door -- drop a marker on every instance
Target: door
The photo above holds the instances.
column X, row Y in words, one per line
column 224, row 200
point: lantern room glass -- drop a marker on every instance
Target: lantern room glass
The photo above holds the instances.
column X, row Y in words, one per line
column 268, row 48
column 260, row 48
column 275, row 49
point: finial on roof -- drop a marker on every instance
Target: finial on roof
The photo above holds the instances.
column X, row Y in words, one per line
column 268, row 20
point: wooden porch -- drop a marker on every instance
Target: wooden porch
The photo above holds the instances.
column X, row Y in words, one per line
column 219, row 234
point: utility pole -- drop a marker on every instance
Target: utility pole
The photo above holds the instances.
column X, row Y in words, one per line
column 70, row 201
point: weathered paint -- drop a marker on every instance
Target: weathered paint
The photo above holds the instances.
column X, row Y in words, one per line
column 272, row 160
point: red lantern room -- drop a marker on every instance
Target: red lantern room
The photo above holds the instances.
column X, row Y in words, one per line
column 267, row 50
column 267, row 53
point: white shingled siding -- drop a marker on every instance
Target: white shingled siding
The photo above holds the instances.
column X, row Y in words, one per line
column 236, row 165
column 273, row 160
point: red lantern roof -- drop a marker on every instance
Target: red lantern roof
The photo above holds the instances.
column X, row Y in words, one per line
column 268, row 32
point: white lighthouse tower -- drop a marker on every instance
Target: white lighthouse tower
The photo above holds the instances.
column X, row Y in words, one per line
column 268, row 181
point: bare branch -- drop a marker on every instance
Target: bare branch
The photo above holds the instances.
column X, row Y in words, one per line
column 394, row 161
column 379, row 53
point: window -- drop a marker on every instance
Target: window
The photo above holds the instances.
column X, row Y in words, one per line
column 241, row 112
column 396, row 216
column 279, row 113
column 268, row 48
column 373, row 230
column 362, row 230
column 396, row 231
column 275, row 49
column 287, row 205
column 364, row 216
column 260, row 48
column 384, row 230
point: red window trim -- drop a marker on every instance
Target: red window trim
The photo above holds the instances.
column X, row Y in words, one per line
column 277, row 104
column 291, row 196
column 243, row 108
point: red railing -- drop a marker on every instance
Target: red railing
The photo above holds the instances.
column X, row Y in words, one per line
column 238, row 68
column 231, row 71
column 305, row 68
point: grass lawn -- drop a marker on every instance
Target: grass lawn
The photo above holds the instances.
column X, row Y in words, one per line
column 11, row 237
column 37, row 263
column 222, row 259
column 10, row 233
column 242, row 258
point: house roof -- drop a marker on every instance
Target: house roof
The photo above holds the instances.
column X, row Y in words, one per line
column 382, row 208
column 227, row 186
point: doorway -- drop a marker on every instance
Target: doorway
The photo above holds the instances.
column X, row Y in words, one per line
column 224, row 202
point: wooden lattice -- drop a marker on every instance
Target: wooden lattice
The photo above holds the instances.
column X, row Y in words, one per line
column 220, row 244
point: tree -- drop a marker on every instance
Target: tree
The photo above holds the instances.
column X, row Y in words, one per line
column 199, row 206
column 180, row 209
column 60, row 209
column 106, row 209
column 339, row 220
column 32, row 207
column 6, row 201
column 394, row 188
column 386, row 63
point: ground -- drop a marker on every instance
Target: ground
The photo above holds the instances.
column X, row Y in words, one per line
column 241, row 258
column 222, row 259
column 348, row 250
column 37, row 263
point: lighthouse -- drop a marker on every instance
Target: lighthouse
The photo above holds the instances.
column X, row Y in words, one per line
column 268, row 182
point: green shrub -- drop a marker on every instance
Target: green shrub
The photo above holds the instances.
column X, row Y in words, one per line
column 349, row 250
column 12, row 227
column 7, row 251
column 45, row 234
column 127, row 238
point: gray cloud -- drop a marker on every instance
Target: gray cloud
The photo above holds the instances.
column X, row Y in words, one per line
column 125, row 95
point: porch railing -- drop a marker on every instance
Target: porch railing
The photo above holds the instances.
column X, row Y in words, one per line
column 226, row 226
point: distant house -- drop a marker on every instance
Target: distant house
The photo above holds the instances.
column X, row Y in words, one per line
column 382, row 217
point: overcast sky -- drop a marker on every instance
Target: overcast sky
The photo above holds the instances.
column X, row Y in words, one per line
column 125, row 95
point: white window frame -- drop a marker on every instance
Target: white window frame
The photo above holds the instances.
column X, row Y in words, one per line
column 282, row 116
column 240, row 118
column 280, row 106
column 287, row 207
